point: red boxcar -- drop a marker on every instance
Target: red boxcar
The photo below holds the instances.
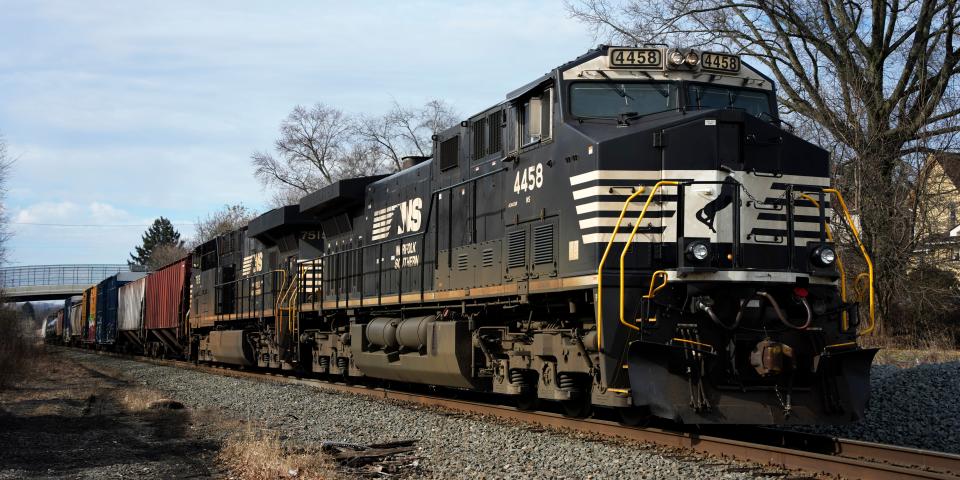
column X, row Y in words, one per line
column 164, row 308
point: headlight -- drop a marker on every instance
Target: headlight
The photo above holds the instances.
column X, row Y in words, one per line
column 824, row 256
column 676, row 58
column 698, row 251
column 692, row 58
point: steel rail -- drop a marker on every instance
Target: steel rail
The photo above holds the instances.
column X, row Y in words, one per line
column 849, row 458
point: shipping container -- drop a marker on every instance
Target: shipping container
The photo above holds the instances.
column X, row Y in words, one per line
column 90, row 315
column 164, row 305
column 130, row 314
column 108, row 295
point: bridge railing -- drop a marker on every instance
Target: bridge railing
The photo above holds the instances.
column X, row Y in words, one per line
column 38, row 275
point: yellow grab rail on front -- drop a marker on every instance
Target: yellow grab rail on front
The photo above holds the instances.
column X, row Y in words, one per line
column 603, row 260
column 843, row 274
column 653, row 291
column 633, row 233
column 863, row 250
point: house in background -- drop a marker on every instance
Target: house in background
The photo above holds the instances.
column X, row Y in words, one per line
column 938, row 222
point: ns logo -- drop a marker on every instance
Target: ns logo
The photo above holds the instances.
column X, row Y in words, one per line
column 410, row 218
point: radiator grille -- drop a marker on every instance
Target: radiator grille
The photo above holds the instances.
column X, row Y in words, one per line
column 487, row 257
column 543, row 244
column 463, row 261
column 449, row 152
column 495, row 125
column 516, row 249
column 479, row 131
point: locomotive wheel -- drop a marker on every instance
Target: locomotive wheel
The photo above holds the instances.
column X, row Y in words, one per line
column 635, row 416
column 578, row 406
column 528, row 399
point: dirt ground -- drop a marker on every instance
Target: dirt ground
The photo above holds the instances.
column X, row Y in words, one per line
column 70, row 421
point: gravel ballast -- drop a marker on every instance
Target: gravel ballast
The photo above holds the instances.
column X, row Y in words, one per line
column 452, row 446
column 914, row 407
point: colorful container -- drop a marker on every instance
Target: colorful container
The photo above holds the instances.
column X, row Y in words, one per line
column 90, row 315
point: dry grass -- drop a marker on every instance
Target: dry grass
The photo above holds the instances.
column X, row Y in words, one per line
column 19, row 350
column 138, row 399
column 910, row 357
column 908, row 351
column 259, row 455
column 932, row 340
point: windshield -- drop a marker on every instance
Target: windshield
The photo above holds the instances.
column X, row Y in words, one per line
column 754, row 102
column 608, row 99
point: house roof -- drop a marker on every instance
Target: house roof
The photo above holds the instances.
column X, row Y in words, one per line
column 950, row 162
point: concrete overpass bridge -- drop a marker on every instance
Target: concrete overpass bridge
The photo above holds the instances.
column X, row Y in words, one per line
column 52, row 282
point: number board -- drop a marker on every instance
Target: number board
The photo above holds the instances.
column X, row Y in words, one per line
column 720, row 62
column 642, row 58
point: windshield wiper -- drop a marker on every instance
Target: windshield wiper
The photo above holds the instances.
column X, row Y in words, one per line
column 613, row 86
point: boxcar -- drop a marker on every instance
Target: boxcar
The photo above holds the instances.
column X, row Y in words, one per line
column 76, row 320
column 107, row 303
column 89, row 334
column 130, row 313
column 165, row 302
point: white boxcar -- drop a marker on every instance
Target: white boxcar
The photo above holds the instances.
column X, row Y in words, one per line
column 130, row 307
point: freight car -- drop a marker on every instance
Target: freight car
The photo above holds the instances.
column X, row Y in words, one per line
column 108, row 298
column 634, row 230
column 88, row 335
column 130, row 316
column 67, row 327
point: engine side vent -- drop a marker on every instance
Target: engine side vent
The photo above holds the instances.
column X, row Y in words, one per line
column 449, row 152
column 543, row 244
column 487, row 257
column 495, row 125
column 463, row 262
column 516, row 249
column 479, row 132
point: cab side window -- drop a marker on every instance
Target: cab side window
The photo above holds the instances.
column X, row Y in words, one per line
column 535, row 118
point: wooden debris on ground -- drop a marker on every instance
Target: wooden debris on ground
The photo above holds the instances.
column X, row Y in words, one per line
column 379, row 459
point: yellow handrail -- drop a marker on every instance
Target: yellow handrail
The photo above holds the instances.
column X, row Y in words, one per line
column 653, row 291
column 286, row 291
column 691, row 342
column 633, row 233
column 843, row 274
column 603, row 260
column 863, row 250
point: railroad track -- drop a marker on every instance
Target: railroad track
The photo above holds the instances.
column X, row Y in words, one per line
column 813, row 454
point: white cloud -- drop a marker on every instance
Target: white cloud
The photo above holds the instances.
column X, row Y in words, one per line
column 68, row 232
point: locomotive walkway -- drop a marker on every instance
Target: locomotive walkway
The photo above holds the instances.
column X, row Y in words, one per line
column 53, row 282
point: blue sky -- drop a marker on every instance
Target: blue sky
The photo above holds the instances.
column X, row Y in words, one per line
column 119, row 112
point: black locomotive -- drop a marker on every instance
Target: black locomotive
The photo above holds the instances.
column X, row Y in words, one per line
column 632, row 230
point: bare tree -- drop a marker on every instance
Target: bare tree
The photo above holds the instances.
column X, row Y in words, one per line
column 878, row 80
column 405, row 131
column 309, row 152
column 226, row 219
column 320, row 145
column 6, row 165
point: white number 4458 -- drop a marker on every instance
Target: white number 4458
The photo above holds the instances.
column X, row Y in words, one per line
column 528, row 179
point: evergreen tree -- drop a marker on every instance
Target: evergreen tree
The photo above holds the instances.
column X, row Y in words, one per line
column 160, row 233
